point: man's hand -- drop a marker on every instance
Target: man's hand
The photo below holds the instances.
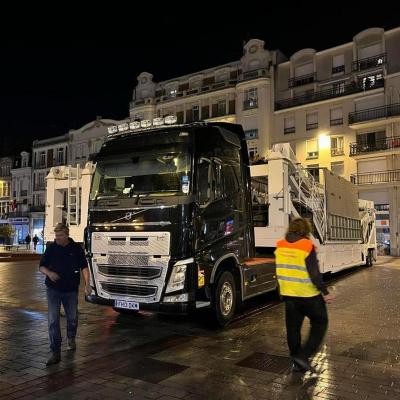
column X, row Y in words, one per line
column 53, row 276
column 329, row 298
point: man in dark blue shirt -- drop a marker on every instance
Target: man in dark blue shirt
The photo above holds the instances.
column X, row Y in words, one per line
column 62, row 264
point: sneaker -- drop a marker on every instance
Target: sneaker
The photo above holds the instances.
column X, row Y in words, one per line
column 297, row 368
column 55, row 358
column 71, row 344
column 303, row 363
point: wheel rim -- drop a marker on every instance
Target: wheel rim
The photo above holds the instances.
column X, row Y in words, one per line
column 226, row 299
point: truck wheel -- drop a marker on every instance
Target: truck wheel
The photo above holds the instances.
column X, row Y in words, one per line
column 224, row 299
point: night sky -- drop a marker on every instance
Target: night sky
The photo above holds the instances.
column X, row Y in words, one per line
column 60, row 73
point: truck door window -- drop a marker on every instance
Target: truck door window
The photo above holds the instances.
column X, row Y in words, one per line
column 204, row 182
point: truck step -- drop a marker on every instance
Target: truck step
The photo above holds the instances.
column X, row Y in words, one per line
column 256, row 261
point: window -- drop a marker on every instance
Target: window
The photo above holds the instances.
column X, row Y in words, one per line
column 172, row 92
column 250, row 99
column 336, row 116
column 42, row 159
column 222, row 76
column 289, row 125
column 251, row 134
column 60, row 156
column 338, row 64
column 371, row 81
column 312, row 121
column 41, row 181
column 24, row 162
column 337, row 146
column 222, row 107
column 338, row 168
column 253, row 151
column 338, row 87
column 195, row 113
column 314, row 171
column 312, row 148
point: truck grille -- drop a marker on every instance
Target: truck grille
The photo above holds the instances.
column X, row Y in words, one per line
column 131, row 260
column 140, row 291
column 134, row 272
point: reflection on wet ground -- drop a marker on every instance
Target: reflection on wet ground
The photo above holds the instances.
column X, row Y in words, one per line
column 164, row 357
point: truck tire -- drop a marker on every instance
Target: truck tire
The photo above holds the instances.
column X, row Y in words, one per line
column 224, row 299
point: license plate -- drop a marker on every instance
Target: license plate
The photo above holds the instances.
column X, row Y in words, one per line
column 129, row 305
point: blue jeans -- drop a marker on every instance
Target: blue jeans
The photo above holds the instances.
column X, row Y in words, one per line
column 69, row 301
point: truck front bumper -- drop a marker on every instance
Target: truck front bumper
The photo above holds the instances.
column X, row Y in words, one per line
column 162, row 307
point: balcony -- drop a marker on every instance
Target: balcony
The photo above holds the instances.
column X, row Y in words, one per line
column 18, row 214
column 257, row 73
column 291, row 129
column 250, row 104
column 302, row 80
column 39, row 187
column 337, row 121
column 326, row 94
column 339, row 151
column 378, row 145
column 338, row 69
column 37, row 208
column 369, row 63
column 24, row 193
column 370, row 114
column 373, row 178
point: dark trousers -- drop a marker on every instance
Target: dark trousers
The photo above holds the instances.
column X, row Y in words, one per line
column 296, row 309
column 69, row 301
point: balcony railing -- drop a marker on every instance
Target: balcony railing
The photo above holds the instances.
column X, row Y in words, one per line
column 37, row 208
column 257, row 73
column 326, row 94
column 370, row 114
column 245, row 76
column 250, row 104
column 291, row 129
column 24, row 193
column 18, row 214
column 338, row 69
column 336, row 121
column 39, row 187
column 302, row 80
column 378, row 145
column 337, row 151
column 369, row 62
column 371, row 178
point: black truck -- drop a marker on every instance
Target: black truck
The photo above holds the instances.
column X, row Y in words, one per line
column 170, row 222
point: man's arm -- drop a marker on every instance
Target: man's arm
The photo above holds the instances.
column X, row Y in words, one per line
column 316, row 276
column 86, row 277
column 44, row 267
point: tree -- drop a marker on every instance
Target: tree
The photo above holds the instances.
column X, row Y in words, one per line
column 6, row 232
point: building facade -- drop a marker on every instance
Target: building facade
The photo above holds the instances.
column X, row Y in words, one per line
column 86, row 141
column 5, row 188
column 19, row 216
column 339, row 109
column 46, row 153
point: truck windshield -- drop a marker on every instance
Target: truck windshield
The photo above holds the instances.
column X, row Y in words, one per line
column 151, row 173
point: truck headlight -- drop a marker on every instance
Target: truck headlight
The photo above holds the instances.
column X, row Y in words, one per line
column 178, row 275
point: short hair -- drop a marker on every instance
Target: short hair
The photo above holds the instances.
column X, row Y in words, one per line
column 62, row 228
column 300, row 226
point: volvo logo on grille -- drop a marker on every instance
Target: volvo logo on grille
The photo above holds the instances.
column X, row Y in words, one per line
column 128, row 216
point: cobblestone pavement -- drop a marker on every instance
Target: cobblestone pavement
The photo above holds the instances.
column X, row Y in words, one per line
column 162, row 357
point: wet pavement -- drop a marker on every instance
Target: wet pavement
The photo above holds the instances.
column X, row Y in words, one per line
column 159, row 357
